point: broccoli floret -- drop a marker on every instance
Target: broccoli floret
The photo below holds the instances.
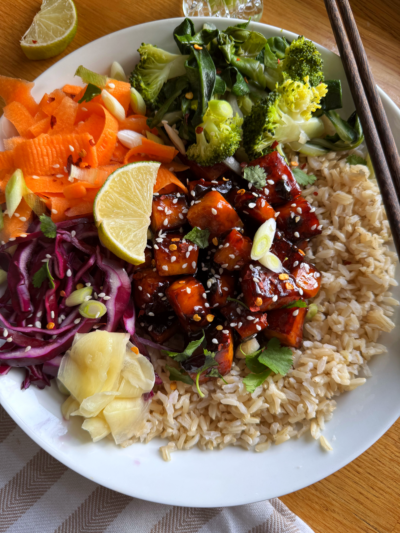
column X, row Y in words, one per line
column 218, row 137
column 156, row 66
column 302, row 59
column 284, row 116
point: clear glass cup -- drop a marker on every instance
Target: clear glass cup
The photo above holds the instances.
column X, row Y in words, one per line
column 240, row 9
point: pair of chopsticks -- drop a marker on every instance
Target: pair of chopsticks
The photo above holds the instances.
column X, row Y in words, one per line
column 378, row 135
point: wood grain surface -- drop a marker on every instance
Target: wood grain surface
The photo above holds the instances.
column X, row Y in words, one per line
column 363, row 497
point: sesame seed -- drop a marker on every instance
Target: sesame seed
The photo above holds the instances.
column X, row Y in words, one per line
column 175, row 201
column 165, row 222
column 59, row 175
column 259, row 328
column 185, row 265
column 319, row 227
column 28, row 348
column 270, row 182
column 77, row 321
column 193, row 193
column 56, row 166
column 54, row 211
column 193, row 264
column 73, row 233
column 296, row 312
column 312, row 210
column 215, row 341
column 140, row 288
column 262, row 203
column 297, row 219
column 52, row 314
column 224, row 266
column 300, row 291
column 160, row 208
column 277, row 214
column 16, row 215
column 293, row 205
column 36, row 177
column 297, row 234
column 111, row 85
column 84, row 109
column 295, row 263
column 181, row 216
column 173, row 259
column 213, row 211
column 299, row 210
column 86, row 299
column 206, row 305
column 5, row 333
column 43, row 260
column 150, row 313
column 10, row 338
column 292, row 215
column 275, row 298
column 250, row 317
column 69, row 273
column 165, row 267
column 232, row 256
column 156, row 247
column 313, row 227
column 159, row 240
column 225, row 289
column 240, row 324
column 252, row 205
column 317, row 274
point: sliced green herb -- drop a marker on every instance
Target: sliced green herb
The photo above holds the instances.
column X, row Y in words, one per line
column 297, row 303
column 47, row 227
column 302, row 178
column 176, row 375
column 355, row 159
column 276, row 357
column 255, row 175
column 252, row 381
column 198, row 236
column 90, row 93
column 187, row 352
column 41, row 275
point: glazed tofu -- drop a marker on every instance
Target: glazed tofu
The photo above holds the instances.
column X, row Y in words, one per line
column 308, row 278
column 148, row 256
column 206, row 173
column 214, row 213
column 161, row 327
column 264, row 290
column 169, row 211
column 298, row 220
column 245, row 322
column 149, row 291
column 219, row 339
column 221, row 289
column 281, row 184
column 234, row 252
column 287, row 325
column 189, row 301
column 253, row 205
column 174, row 256
column 199, row 188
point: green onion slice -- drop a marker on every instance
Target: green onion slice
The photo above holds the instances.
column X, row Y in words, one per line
column 77, row 297
column 92, row 309
column 312, row 311
column 272, row 262
column 137, row 103
column 263, row 239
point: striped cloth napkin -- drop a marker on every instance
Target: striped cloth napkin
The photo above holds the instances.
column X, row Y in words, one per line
column 40, row 495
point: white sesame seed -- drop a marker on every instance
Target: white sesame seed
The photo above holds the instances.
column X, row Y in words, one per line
column 206, row 305
column 233, row 324
column 52, row 314
column 297, row 219
column 175, row 200
column 22, row 219
column 181, row 216
column 3, row 242
column 86, row 299
column 17, row 215
column 224, row 266
column 5, row 333
column 48, row 256
column 225, row 331
column 204, row 295
column 10, row 338
column 28, row 348
column 107, row 298
column 150, row 313
column 165, row 222
column 293, row 205
column 54, row 211
column 296, row 312
column 270, row 182
column 187, row 255
column 292, row 214
column 193, row 193
column 249, row 185
column 59, row 175
column 299, row 210
column 77, row 321
column 111, row 85
column 250, row 317
column 173, row 259
column 317, row 274
column 56, row 165
column 43, row 260
column 319, row 227
column 295, row 263
column 313, row 227
column 232, row 256
column 213, row 211
column 159, row 240
column 140, row 288
column 300, row 291
column 312, row 210
column 297, row 234
column 102, row 294
column 226, row 245
column 73, row 233
column 225, row 289
column 252, row 205
column 277, row 214
column 185, row 265
column 259, row 328
column 193, row 264
column 65, row 169
column 36, row 177
column 188, row 290
column 215, row 341
column 275, row 298
column 240, row 324
column 39, row 314
column 262, row 203
column 165, row 267
column 69, row 273
column 160, row 208
column 84, row 109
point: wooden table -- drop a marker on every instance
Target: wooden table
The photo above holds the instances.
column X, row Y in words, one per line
column 364, row 496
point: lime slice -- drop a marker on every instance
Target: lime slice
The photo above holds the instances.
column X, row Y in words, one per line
column 122, row 209
column 52, row 29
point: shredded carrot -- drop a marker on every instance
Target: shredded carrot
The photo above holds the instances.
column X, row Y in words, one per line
column 7, row 160
column 19, row 116
column 11, row 143
column 84, row 208
column 136, row 123
column 71, row 89
column 41, row 126
column 46, row 184
column 64, row 117
column 16, row 226
column 119, row 153
column 50, row 102
column 16, row 90
column 176, row 166
column 74, row 190
column 46, row 154
column 168, row 182
column 159, row 152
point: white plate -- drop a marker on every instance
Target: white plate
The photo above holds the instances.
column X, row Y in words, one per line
column 194, row 478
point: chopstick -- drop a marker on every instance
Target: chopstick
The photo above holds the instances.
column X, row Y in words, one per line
column 381, row 146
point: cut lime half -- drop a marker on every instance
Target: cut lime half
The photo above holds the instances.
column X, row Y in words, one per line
column 122, row 209
column 52, row 29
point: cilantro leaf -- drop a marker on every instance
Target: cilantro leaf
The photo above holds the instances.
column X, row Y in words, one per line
column 208, row 353
column 255, row 175
column 254, row 364
column 209, row 362
column 198, row 236
column 47, row 227
column 252, row 381
column 355, row 159
column 302, row 178
column 90, row 93
column 41, row 275
column 229, row 299
column 176, row 375
column 276, row 357
column 187, row 352
column 297, row 303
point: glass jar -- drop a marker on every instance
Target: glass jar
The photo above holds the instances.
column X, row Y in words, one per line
column 240, row 9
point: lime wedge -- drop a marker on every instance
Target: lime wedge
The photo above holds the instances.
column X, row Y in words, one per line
column 52, row 29
column 122, row 209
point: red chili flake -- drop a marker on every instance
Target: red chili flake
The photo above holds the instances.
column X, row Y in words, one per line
column 141, row 312
column 243, row 165
column 303, row 166
column 274, row 144
column 315, row 193
column 199, row 129
column 50, row 99
column 245, row 79
column 219, row 71
column 53, row 121
column 34, row 42
column 92, row 142
column 238, row 59
column 279, row 61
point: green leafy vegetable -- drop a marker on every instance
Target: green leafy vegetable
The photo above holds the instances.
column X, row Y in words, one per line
column 270, row 59
column 276, row 357
column 255, row 175
column 176, row 375
column 178, row 85
column 297, row 303
column 253, row 363
column 198, row 236
column 333, row 98
column 90, row 93
column 201, row 72
column 47, row 227
column 235, row 82
column 187, row 352
column 302, row 178
column 252, row 381
column 355, row 159
column 278, row 46
column 229, row 299
column 209, row 363
column 41, row 275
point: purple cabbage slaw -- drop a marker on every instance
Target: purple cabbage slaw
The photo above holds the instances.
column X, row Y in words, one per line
column 75, row 256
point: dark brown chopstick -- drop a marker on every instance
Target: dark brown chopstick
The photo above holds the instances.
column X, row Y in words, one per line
column 387, row 183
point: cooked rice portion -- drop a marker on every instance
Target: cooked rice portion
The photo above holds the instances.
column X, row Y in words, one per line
column 354, row 306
